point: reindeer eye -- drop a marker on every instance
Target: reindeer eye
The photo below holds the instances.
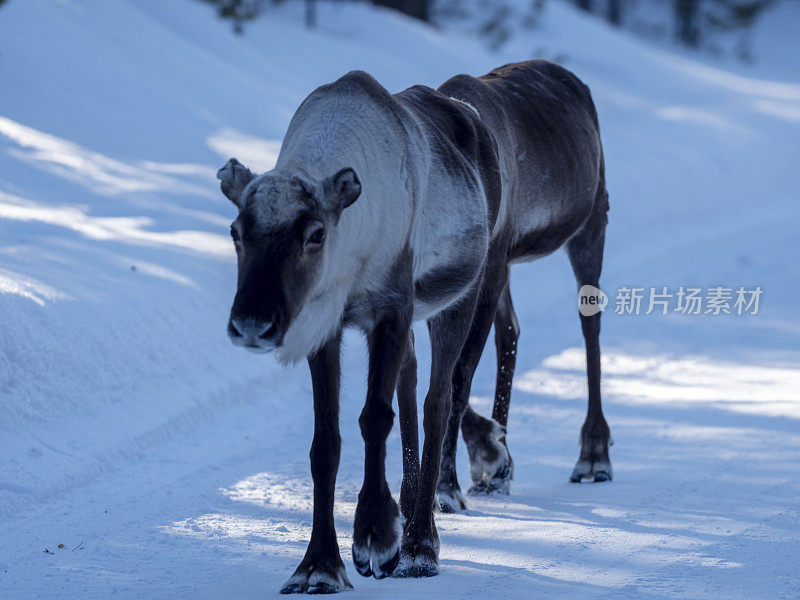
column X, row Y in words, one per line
column 317, row 237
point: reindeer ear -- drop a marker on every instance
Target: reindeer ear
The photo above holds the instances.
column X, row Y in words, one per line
column 343, row 188
column 234, row 176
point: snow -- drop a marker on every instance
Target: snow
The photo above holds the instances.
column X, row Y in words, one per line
column 171, row 464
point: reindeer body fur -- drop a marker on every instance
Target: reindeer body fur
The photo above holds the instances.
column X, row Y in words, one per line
column 406, row 189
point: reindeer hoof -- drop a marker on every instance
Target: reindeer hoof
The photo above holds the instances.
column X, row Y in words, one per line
column 322, row 588
column 588, row 472
column 490, row 464
column 363, row 567
column 451, row 501
column 593, row 464
column 376, row 539
column 422, row 562
column 310, row 578
column 496, row 485
column 387, row 568
column 373, row 562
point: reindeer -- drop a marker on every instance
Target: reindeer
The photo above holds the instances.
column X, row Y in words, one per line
column 385, row 209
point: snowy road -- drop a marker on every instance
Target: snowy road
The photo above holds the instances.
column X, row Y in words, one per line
column 171, row 465
column 701, row 508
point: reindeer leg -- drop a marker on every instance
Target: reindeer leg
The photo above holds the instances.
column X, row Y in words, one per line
column 482, row 448
column 378, row 526
column 448, row 330
column 322, row 569
column 585, row 250
column 490, row 463
column 409, row 431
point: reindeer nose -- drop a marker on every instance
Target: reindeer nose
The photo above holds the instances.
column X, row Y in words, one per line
column 248, row 327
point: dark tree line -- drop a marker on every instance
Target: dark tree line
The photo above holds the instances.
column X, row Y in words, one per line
column 693, row 20
column 241, row 11
column 613, row 9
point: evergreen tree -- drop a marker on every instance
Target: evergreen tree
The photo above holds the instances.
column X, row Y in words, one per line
column 419, row 9
column 239, row 11
column 614, row 13
column 696, row 20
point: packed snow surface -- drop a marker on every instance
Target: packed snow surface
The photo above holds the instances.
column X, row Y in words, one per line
column 170, row 464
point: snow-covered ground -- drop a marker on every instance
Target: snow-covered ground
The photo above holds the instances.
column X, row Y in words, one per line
column 171, row 465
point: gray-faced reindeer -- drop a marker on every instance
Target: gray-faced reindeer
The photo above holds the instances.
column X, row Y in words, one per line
column 384, row 209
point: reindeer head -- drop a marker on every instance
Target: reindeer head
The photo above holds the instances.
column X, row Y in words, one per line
column 281, row 233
